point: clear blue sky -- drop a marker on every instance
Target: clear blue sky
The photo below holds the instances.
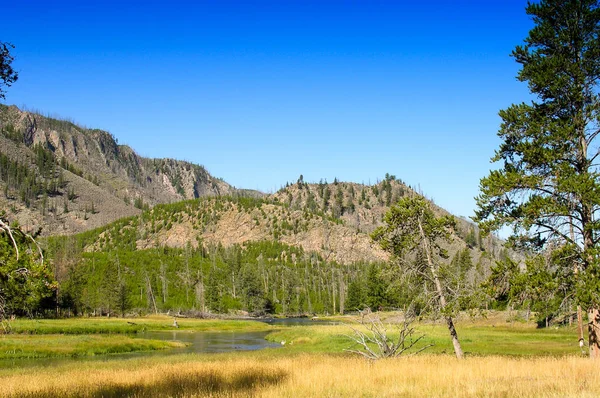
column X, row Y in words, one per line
column 260, row 92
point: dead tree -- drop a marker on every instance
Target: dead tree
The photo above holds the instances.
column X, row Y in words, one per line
column 379, row 341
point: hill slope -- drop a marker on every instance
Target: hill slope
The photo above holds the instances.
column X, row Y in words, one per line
column 335, row 226
column 301, row 250
column 67, row 178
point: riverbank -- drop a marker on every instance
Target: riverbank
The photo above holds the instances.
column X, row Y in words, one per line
column 130, row 325
column 486, row 336
column 79, row 337
column 57, row 346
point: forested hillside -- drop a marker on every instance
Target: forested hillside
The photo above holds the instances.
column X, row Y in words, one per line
column 62, row 178
column 165, row 235
column 305, row 249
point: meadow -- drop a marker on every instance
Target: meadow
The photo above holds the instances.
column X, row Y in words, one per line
column 503, row 359
column 261, row 374
column 53, row 346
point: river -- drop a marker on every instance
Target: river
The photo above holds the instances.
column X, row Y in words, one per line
column 196, row 343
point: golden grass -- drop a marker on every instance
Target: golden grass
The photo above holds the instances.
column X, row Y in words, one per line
column 311, row 375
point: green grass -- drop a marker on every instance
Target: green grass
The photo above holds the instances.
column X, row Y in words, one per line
column 51, row 345
column 504, row 340
column 504, row 358
column 480, row 338
column 125, row 325
column 515, row 340
column 74, row 337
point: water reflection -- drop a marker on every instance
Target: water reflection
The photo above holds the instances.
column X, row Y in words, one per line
column 299, row 321
column 212, row 342
column 196, row 343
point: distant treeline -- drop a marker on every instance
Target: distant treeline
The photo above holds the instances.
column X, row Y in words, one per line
column 265, row 277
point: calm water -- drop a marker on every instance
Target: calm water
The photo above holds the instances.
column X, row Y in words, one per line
column 298, row 321
column 196, row 343
column 212, row 342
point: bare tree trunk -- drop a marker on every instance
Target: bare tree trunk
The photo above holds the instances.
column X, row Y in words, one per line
column 233, row 284
column 165, row 282
column 342, row 294
column 151, row 294
column 310, row 307
column 455, row 343
column 438, row 287
column 576, row 272
column 580, row 326
column 594, row 333
column 200, row 296
column 333, row 289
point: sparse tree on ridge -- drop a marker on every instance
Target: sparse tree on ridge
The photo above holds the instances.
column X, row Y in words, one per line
column 548, row 187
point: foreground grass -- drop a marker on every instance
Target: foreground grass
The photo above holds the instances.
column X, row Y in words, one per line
column 47, row 346
column 310, row 375
column 129, row 325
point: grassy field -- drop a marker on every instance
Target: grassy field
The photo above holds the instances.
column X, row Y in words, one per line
column 476, row 340
column 309, row 375
column 504, row 359
column 49, row 346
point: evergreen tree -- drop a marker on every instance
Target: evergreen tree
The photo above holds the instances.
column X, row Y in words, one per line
column 7, row 74
column 376, row 294
column 548, row 188
column 357, row 295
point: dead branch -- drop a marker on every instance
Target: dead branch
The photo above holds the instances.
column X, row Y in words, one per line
column 376, row 343
column 6, row 228
column 38, row 247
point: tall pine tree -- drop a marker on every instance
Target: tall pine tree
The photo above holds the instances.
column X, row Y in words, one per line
column 548, row 186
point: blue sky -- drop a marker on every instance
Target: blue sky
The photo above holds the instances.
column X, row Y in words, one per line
column 260, row 92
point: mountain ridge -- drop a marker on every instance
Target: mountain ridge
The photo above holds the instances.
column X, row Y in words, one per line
column 84, row 160
column 84, row 180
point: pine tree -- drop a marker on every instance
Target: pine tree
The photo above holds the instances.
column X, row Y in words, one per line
column 548, row 188
column 357, row 297
column 7, row 74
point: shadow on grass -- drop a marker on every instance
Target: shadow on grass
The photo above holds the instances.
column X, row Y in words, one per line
column 197, row 384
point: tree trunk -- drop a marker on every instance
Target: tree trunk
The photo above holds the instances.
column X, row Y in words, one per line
column 594, row 332
column 455, row 343
column 580, row 327
column 438, row 286
column 581, row 340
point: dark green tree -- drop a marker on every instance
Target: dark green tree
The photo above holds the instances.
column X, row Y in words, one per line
column 252, row 292
column 548, row 186
column 7, row 74
column 357, row 295
column 123, row 302
column 376, row 289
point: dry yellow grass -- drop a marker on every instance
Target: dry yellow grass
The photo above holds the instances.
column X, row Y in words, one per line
column 311, row 375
